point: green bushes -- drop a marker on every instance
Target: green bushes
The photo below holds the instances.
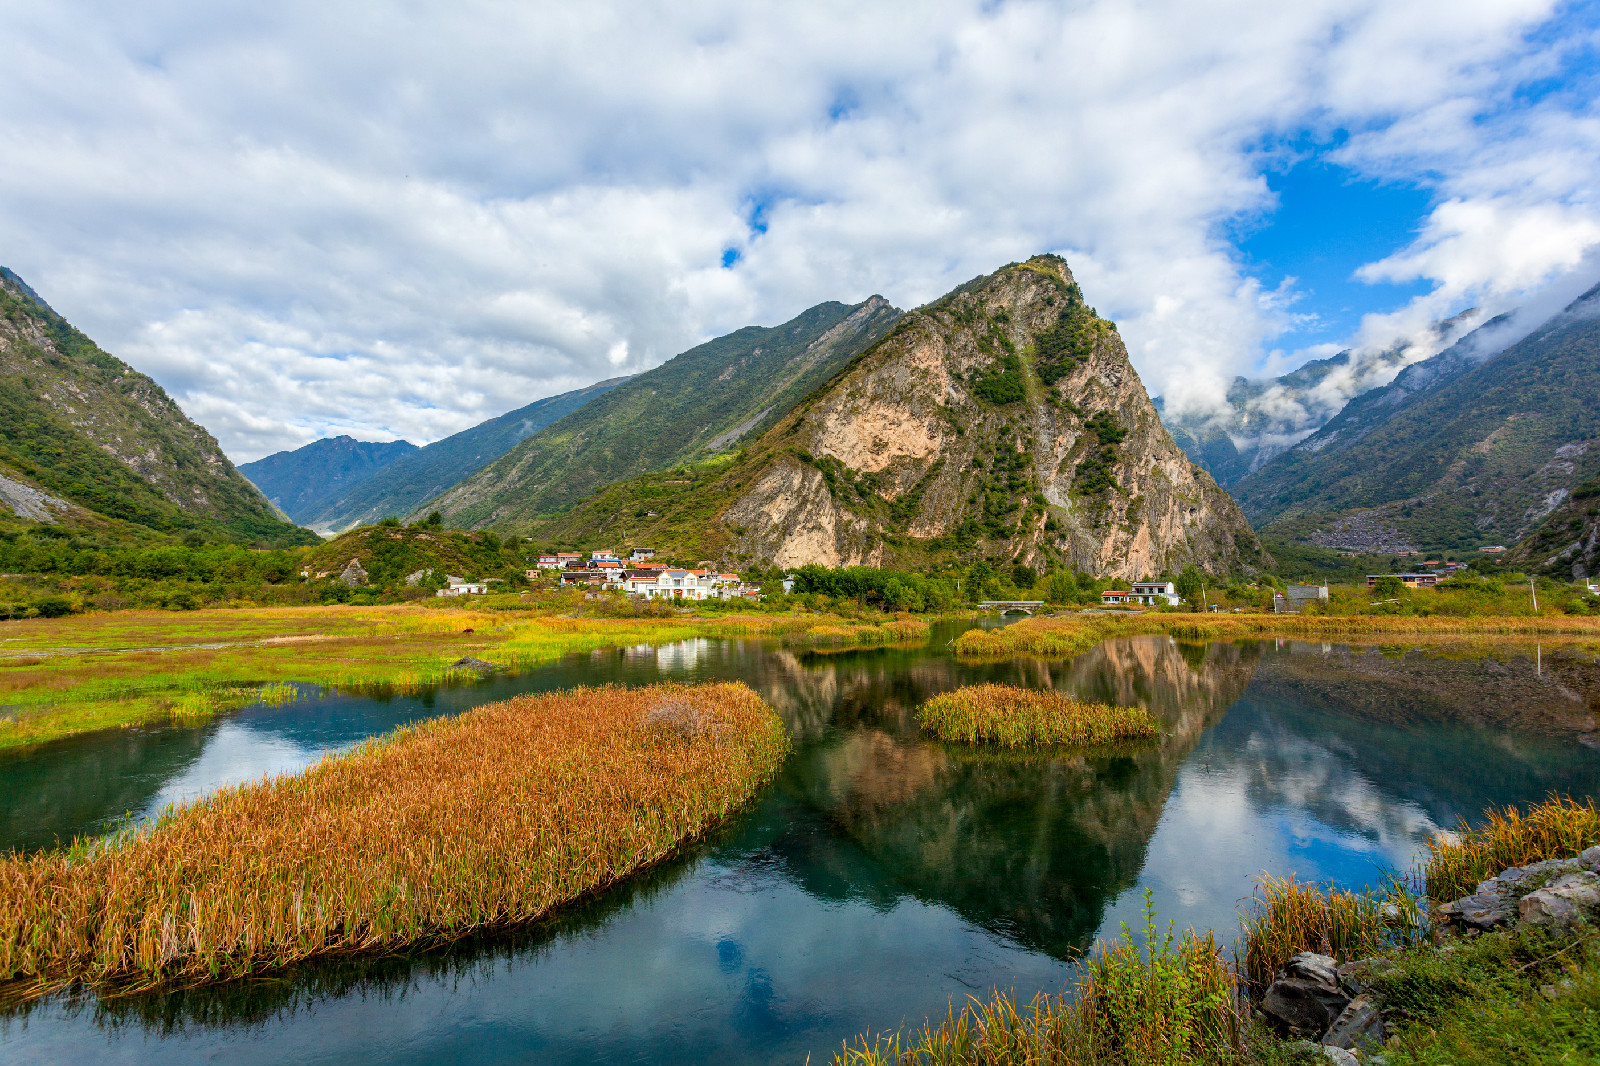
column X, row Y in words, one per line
column 1094, row 474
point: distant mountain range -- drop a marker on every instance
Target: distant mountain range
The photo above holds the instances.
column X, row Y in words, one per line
column 302, row 482
column 700, row 403
column 1458, row 451
column 345, row 485
column 1002, row 422
column 86, row 441
column 1265, row 417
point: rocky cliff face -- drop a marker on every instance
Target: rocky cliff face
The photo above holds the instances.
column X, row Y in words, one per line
column 1004, row 421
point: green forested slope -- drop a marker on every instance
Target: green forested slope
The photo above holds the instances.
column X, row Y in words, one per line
column 404, row 485
column 1455, row 453
column 691, row 406
column 87, row 428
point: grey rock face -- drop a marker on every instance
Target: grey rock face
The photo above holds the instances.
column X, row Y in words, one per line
column 1358, row 1025
column 1563, row 902
column 354, row 574
column 1306, row 997
column 1496, row 900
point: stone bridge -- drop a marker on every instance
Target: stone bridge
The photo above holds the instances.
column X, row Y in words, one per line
column 1011, row 606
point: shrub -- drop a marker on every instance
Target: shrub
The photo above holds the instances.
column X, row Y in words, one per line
column 1017, row 717
column 1558, row 828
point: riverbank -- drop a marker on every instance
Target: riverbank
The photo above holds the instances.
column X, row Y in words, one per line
column 491, row 818
column 1060, row 636
column 67, row 676
column 1510, row 974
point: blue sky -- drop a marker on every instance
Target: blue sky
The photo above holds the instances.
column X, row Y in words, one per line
column 307, row 219
column 1325, row 224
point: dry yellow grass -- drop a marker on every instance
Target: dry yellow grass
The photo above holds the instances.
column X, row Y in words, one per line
column 1019, row 717
column 450, row 826
column 1558, row 828
column 1060, row 637
column 1287, row 917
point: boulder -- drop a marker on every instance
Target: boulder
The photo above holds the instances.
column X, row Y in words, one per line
column 467, row 662
column 1358, row 1025
column 1589, row 859
column 1495, row 901
column 1306, row 997
column 354, row 574
column 1563, row 902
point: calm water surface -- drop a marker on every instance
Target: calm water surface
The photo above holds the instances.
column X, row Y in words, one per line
column 880, row 877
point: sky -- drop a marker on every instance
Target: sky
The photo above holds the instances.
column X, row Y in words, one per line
column 306, row 219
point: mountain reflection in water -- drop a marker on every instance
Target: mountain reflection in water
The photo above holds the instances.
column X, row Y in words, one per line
column 883, row 874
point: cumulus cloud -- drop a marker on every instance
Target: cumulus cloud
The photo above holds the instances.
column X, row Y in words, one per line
column 308, row 218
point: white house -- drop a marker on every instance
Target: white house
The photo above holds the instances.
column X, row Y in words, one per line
column 1114, row 596
column 549, row 562
column 568, row 558
column 606, row 557
column 1150, row 593
column 455, row 586
column 640, row 555
column 669, row 584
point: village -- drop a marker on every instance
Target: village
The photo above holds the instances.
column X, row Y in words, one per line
column 637, row 575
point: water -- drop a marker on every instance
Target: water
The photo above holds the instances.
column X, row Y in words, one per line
column 880, row 877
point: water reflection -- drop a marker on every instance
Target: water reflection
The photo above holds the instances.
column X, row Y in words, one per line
column 883, row 874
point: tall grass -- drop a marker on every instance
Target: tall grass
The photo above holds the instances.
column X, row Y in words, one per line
column 1017, row 717
column 1061, row 637
column 1170, row 1003
column 1286, row 917
column 1558, row 828
column 454, row 825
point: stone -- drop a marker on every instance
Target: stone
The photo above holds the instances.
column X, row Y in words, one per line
column 467, row 662
column 1301, row 1006
column 1336, row 1055
column 1481, row 910
column 1563, row 902
column 354, row 574
column 1358, row 1025
column 1589, row 858
column 1309, row 966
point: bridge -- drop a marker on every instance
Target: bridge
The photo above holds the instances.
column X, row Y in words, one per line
column 1010, row 606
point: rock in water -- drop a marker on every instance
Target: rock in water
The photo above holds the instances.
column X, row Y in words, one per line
column 467, row 662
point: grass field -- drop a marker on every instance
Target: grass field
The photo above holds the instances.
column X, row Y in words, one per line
column 60, row 677
column 1014, row 717
column 451, row 826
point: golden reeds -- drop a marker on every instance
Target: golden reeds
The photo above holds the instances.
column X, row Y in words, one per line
column 1287, row 917
column 1018, row 717
column 1558, row 828
column 1172, row 1002
column 493, row 817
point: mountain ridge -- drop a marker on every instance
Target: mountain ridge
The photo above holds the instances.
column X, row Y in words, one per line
column 1459, row 450
column 1001, row 422
column 107, row 443
column 699, row 402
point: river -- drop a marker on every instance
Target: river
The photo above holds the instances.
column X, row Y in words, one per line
column 880, row 877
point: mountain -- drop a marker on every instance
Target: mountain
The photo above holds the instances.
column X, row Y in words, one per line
column 402, row 485
column 85, row 439
column 1566, row 543
column 1266, row 416
column 1458, row 451
column 1002, row 422
column 302, row 482
column 693, row 405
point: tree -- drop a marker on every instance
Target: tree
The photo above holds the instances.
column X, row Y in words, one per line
column 1023, row 576
column 1190, row 584
column 1388, row 587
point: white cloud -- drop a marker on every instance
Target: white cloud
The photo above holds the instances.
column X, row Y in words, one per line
column 306, row 218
